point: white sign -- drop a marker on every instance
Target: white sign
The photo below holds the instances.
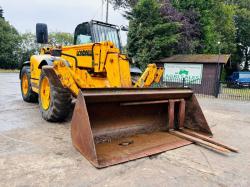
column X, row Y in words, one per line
column 192, row 73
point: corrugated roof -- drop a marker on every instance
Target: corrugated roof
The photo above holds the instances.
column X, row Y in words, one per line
column 201, row 58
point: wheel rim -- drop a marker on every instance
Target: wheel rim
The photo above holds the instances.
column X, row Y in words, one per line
column 25, row 84
column 45, row 93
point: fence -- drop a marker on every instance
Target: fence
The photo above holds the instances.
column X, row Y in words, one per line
column 223, row 89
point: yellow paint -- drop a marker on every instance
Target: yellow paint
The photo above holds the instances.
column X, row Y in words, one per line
column 124, row 71
column 25, row 84
column 35, row 60
column 35, row 81
column 35, row 89
column 45, row 93
column 150, row 75
column 98, row 65
column 159, row 74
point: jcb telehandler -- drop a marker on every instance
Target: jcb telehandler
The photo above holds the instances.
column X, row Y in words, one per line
column 114, row 120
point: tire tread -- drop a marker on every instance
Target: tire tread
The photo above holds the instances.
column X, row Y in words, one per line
column 60, row 103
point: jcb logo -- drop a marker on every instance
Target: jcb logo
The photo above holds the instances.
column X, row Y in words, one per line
column 84, row 53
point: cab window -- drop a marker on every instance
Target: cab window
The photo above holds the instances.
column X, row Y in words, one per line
column 82, row 34
column 83, row 39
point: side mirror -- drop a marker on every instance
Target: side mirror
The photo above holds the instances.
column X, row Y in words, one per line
column 41, row 33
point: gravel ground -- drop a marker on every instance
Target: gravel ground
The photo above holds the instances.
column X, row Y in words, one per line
column 34, row 152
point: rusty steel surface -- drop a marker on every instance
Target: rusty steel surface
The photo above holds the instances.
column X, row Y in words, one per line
column 81, row 132
column 194, row 117
column 171, row 115
column 134, row 94
column 181, row 118
column 142, row 145
column 144, row 102
column 205, row 138
column 111, row 126
column 199, row 141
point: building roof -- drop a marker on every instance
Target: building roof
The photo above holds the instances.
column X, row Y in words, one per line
column 201, row 58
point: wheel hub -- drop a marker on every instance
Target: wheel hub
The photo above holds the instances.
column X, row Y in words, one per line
column 25, row 84
column 45, row 93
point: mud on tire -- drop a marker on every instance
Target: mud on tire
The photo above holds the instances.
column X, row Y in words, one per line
column 60, row 103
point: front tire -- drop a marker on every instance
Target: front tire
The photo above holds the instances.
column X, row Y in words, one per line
column 27, row 93
column 54, row 102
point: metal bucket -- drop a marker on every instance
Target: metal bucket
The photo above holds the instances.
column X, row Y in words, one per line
column 111, row 126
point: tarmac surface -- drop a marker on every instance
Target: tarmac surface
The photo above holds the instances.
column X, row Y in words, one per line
column 34, row 152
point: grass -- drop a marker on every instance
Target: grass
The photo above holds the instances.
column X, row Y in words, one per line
column 241, row 92
column 9, row 71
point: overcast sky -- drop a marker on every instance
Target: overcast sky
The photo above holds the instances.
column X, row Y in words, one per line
column 60, row 15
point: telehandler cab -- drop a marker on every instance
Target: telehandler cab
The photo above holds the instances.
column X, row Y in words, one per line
column 114, row 120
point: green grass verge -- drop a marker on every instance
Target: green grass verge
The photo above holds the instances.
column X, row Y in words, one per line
column 242, row 92
column 9, row 71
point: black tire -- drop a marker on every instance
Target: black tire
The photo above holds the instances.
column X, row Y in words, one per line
column 30, row 96
column 60, row 103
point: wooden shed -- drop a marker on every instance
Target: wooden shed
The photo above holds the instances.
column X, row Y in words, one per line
column 201, row 72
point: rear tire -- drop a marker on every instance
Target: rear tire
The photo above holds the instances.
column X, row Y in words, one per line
column 27, row 93
column 59, row 102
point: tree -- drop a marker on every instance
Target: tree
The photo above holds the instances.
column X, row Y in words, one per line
column 61, row 38
column 239, row 3
column 242, row 22
column 28, row 47
column 190, row 27
column 226, row 27
column 243, row 36
column 16, row 49
column 150, row 37
column 216, row 20
column 9, row 45
column 124, row 3
column 1, row 12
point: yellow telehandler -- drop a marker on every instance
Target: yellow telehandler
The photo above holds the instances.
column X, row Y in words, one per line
column 114, row 120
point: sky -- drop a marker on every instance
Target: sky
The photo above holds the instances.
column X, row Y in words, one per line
column 59, row 15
